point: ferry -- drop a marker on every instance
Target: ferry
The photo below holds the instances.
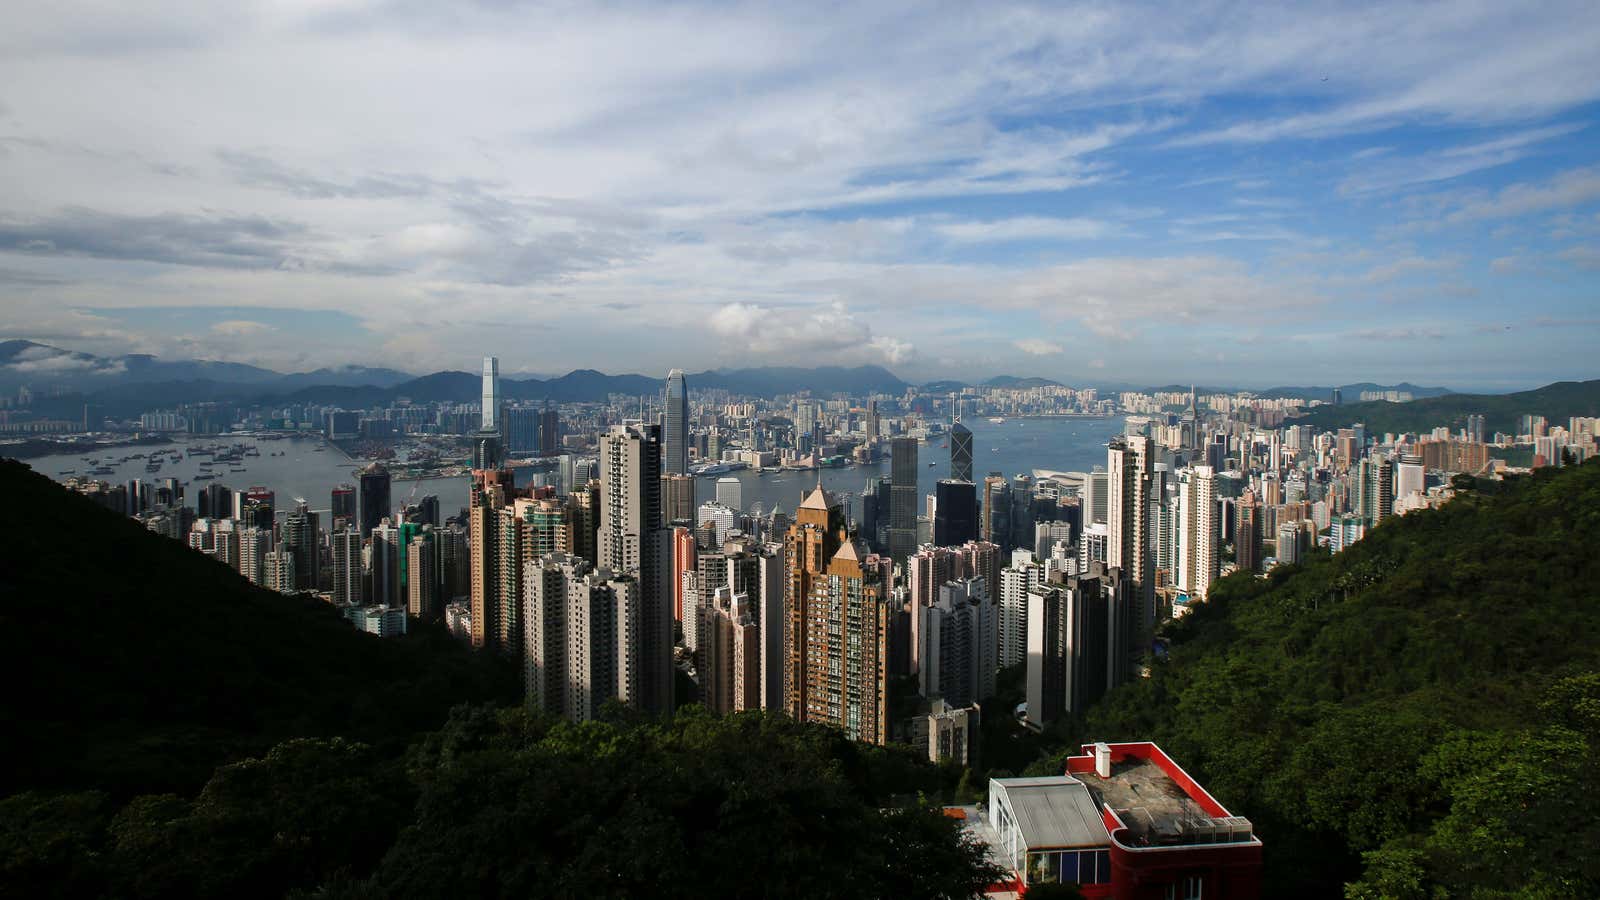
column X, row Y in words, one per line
column 998, row 420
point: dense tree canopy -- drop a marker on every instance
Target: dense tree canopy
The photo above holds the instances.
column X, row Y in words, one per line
column 180, row 733
column 1421, row 707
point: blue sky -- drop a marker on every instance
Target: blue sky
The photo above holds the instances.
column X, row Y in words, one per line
column 1315, row 193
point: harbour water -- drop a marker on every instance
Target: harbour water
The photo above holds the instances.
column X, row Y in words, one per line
column 310, row 467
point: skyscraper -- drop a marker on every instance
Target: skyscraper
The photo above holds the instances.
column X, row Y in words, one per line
column 960, row 452
column 373, row 496
column 1078, row 643
column 300, row 536
column 343, row 505
column 955, row 518
column 491, row 394
column 677, row 499
column 487, row 446
column 422, row 575
column 1129, row 465
column 634, row 542
column 675, row 458
column 348, row 570
column 838, row 625
column 902, row 498
column 1197, row 562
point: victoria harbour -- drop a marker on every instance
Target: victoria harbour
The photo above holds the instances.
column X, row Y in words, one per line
column 309, row 467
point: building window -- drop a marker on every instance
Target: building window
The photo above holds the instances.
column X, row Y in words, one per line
column 1188, row 887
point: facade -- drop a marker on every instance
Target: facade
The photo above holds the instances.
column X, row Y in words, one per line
column 1197, row 529
column 838, row 625
column 1016, row 582
column 633, row 542
column 372, row 485
column 958, row 653
column 953, row 733
column 422, row 575
column 675, row 436
column 960, row 452
column 1129, row 469
column 580, row 637
column 348, row 570
column 1079, row 632
column 902, row 530
column 955, row 518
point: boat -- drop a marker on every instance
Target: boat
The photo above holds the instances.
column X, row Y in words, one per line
column 998, row 420
column 203, row 476
column 932, row 464
column 67, row 472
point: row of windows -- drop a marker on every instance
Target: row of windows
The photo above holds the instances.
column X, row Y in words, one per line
column 1081, row 866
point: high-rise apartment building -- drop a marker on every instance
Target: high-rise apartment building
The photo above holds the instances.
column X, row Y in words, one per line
column 278, row 570
column 635, row 542
column 677, row 499
column 838, row 624
column 959, row 643
column 1197, row 557
column 423, row 575
column 580, row 637
column 384, row 550
column 348, row 570
column 1079, row 631
column 1129, row 467
column 1016, row 582
column 300, row 534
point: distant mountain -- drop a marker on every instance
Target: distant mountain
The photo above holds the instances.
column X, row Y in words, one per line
column 588, row 385
column 1557, row 402
column 1352, row 392
column 1348, row 392
column 41, row 365
column 346, row 376
column 1012, row 381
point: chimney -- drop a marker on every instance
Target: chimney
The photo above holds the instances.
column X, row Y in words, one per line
column 1102, row 760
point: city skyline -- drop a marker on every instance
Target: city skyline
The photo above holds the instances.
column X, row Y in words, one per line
column 1309, row 196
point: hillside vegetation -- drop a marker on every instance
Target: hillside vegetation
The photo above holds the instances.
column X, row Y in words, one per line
column 1556, row 402
column 172, row 731
column 1418, row 715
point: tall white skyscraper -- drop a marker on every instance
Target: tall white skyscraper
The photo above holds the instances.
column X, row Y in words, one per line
column 491, row 394
column 1197, row 531
column 675, row 453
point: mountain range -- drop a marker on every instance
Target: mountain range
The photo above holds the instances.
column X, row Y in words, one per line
column 131, row 383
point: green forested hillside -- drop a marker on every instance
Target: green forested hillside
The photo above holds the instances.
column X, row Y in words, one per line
column 171, row 731
column 139, row 665
column 1421, row 711
column 1557, row 402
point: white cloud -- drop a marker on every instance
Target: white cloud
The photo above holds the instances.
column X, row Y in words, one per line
column 241, row 328
column 1565, row 190
column 1024, row 228
column 1038, row 347
column 828, row 333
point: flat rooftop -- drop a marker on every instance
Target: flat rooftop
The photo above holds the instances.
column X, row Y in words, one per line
column 1156, row 810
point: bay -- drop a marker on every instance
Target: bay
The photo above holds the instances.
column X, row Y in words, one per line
column 310, row 467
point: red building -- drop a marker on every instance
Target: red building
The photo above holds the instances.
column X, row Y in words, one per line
column 1123, row 821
